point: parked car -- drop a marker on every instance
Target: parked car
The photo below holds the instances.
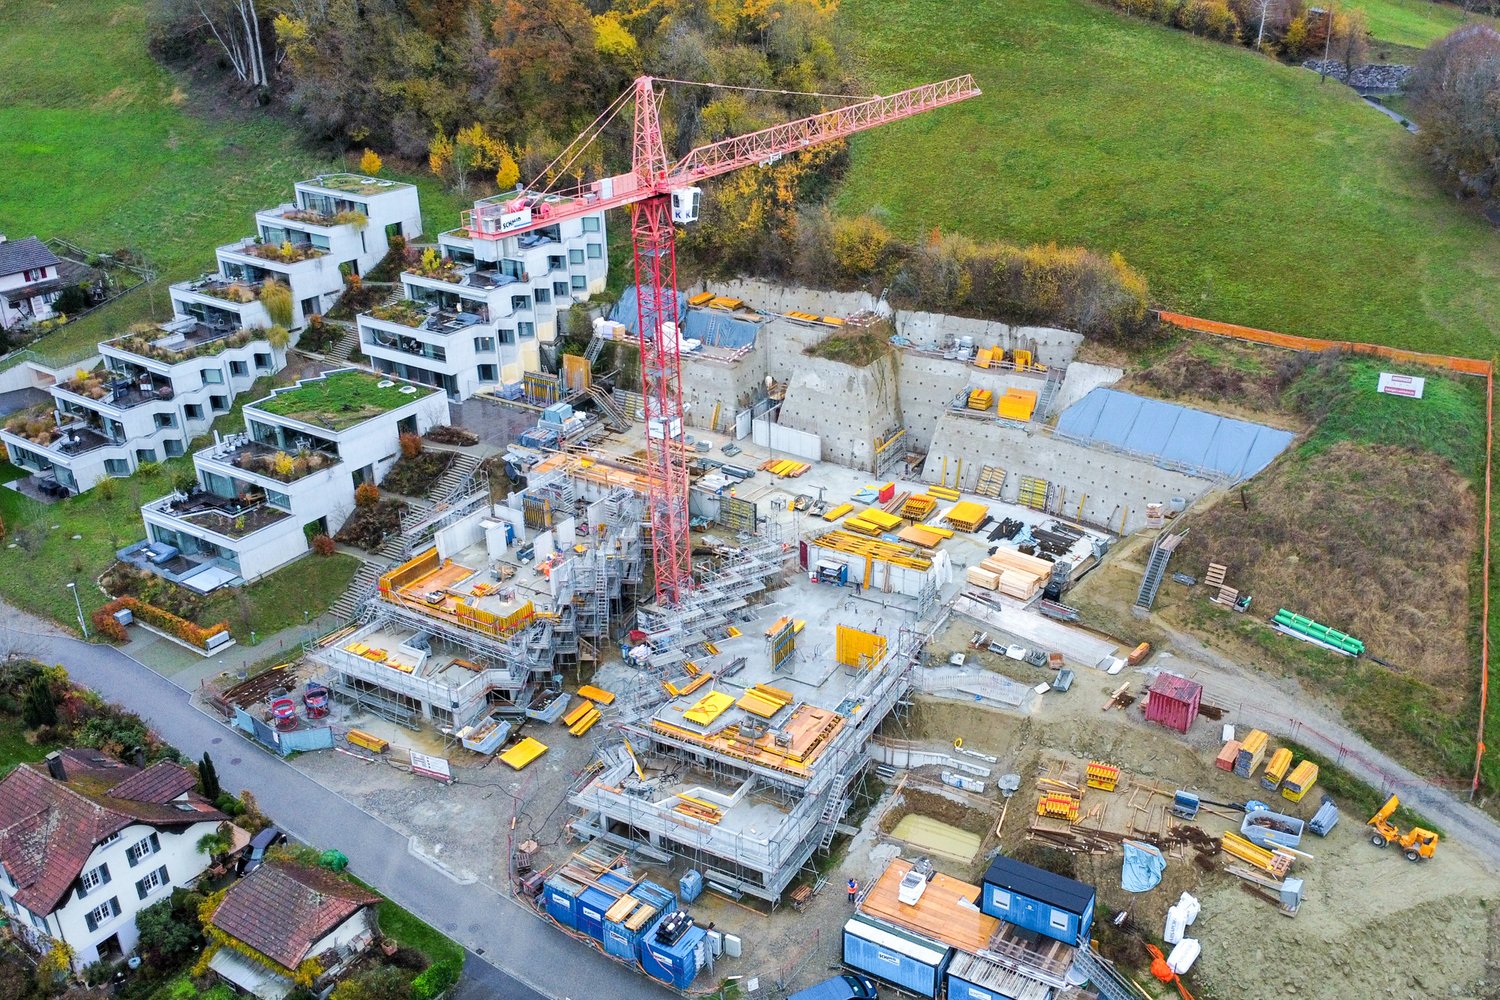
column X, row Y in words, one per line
column 847, row 986
column 259, row 845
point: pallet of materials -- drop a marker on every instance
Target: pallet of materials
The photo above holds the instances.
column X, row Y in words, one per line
column 1275, row 861
column 1021, row 576
column 1227, row 756
column 523, row 753
column 944, row 493
column 838, row 512
column 1017, row 404
column 1281, row 761
column 1252, row 749
column 980, row 399
column 585, row 722
column 764, row 700
column 918, row 535
column 1058, row 805
column 1300, row 781
column 1101, row 775
column 598, row 696
column 980, row 577
column 967, row 515
column 918, row 507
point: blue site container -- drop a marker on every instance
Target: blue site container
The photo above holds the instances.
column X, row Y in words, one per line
column 592, row 904
column 690, row 885
column 676, row 965
column 658, row 896
column 908, row 961
column 622, row 942
column 560, row 896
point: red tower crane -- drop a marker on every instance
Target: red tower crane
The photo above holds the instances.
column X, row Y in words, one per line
column 660, row 194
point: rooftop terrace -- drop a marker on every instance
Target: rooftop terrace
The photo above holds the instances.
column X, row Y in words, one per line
column 183, row 339
column 340, row 399
column 354, row 183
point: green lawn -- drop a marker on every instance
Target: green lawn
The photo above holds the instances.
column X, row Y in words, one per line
column 1243, row 189
column 310, row 584
column 1412, row 23
column 14, row 749
column 104, row 149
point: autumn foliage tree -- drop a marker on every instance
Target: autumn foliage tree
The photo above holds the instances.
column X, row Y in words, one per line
column 1456, row 96
column 370, row 163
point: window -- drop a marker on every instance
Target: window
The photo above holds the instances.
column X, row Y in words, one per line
column 1059, row 920
column 263, row 361
column 580, row 282
column 213, row 376
column 35, row 274
column 279, row 500
column 174, row 448
column 110, row 839
column 116, row 467
column 98, row 916
column 219, row 404
column 144, row 455
column 166, row 420
column 193, row 411
column 554, row 263
column 507, row 336
column 92, row 879
column 487, row 373
column 560, row 289
column 1000, row 899
column 40, row 923
column 520, row 302
column 484, row 345
column 543, row 295
column 596, row 251
column 526, row 329
column 590, row 223
column 143, row 848
column 152, row 882
column 238, row 368
column 575, row 256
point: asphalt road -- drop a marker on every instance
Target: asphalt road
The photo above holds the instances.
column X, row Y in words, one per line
column 523, row 958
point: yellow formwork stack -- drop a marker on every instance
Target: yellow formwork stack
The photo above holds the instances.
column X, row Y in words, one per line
column 980, row 399
column 918, row 507
column 967, row 515
column 943, row 493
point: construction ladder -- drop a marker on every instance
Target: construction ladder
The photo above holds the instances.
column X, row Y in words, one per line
column 614, row 416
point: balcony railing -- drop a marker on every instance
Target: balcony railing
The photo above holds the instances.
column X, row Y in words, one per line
column 276, row 253
column 260, row 459
column 120, row 390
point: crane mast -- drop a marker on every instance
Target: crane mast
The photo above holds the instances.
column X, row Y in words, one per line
column 649, row 191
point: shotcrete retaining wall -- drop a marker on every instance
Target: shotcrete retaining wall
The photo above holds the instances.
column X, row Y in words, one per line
column 847, row 407
column 1108, row 485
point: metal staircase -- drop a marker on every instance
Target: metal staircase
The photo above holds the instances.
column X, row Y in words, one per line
column 1102, row 976
column 456, row 479
column 595, row 348
column 1049, row 393
column 1156, row 569
column 614, row 416
column 360, row 590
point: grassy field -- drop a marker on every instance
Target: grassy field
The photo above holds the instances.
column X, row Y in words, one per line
column 1243, row 189
column 1411, row 23
column 103, row 148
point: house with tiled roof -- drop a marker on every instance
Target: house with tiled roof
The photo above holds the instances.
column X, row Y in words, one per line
column 87, row 842
column 283, row 915
column 30, row 279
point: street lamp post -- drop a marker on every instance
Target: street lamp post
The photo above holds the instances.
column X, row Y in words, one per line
column 1327, row 41
column 77, row 603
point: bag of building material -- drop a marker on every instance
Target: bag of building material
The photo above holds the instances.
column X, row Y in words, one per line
column 1190, row 907
column 1184, row 955
column 1176, row 924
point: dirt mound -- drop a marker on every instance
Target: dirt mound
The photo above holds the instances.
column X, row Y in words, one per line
column 1373, row 540
column 1223, row 375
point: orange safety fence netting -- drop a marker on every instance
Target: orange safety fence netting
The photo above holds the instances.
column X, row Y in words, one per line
column 1464, row 366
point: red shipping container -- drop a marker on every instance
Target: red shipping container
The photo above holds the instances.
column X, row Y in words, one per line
column 1173, row 702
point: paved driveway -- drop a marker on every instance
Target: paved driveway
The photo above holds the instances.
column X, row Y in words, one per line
column 524, row 958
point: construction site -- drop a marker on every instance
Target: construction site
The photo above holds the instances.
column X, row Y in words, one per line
column 774, row 656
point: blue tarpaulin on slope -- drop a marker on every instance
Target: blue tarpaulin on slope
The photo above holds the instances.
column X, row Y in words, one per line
column 714, row 327
column 1175, row 436
column 1143, row 867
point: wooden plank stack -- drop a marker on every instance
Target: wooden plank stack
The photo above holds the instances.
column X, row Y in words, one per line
column 981, row 577
column 991, row 481
column 1020, row 576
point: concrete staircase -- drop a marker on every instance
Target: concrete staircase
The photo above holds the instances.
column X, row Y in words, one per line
column 456, row 478
column 346, row 346
column 360, row 589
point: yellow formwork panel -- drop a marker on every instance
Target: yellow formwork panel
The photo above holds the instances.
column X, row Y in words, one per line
column 1016, row 404
column 857, row 648
column 524, row 753
column 708, row 708
column 598, row 695
column 838, row 512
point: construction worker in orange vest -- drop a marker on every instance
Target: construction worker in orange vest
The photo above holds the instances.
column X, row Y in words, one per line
column 853, row 891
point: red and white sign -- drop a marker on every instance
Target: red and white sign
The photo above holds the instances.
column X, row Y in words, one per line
column 431, row 767
column 1401, row 385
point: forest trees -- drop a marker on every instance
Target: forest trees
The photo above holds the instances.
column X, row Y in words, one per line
column 1456, row 95
column 238, row 30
